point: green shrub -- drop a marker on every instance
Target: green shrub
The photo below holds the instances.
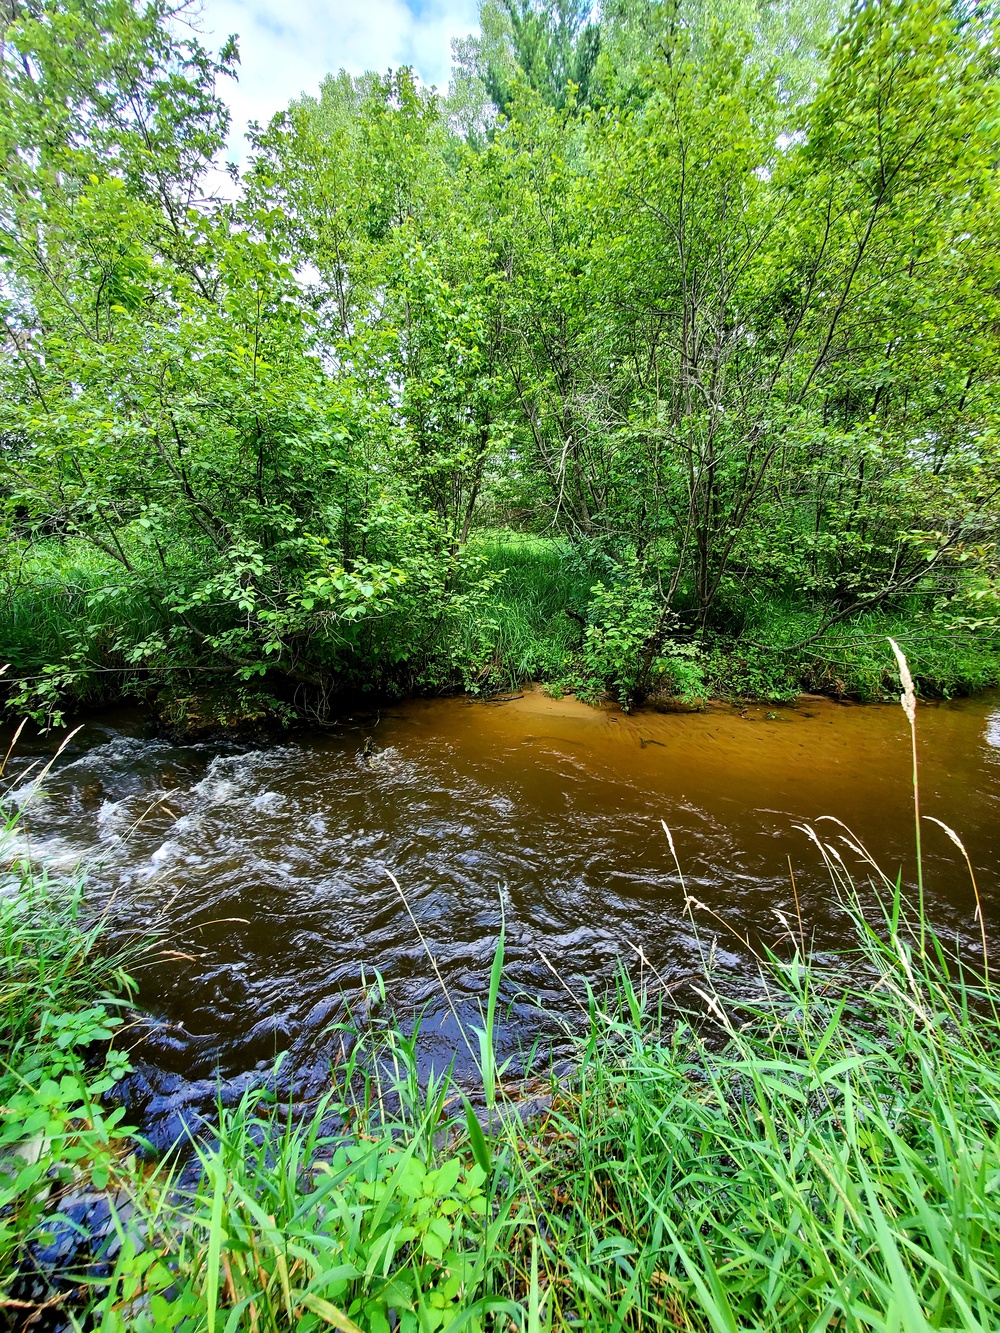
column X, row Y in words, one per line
column 311, row 1231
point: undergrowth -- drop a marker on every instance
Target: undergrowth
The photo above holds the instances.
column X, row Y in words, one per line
column 62, row 999
column 538, row 609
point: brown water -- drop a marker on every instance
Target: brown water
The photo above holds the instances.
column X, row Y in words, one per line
column 266, row 871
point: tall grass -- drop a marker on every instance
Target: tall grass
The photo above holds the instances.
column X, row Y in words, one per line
column 63, row 610
column 824, row 1156
column 770, row 652
column 52, row 961
column 526, row 630
column 294, row 1224
column 72, row 629
column 61, row 1002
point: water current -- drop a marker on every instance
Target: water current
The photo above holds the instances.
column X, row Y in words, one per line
column 264, row 874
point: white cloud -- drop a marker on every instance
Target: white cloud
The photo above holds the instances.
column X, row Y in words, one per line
column 287, row 48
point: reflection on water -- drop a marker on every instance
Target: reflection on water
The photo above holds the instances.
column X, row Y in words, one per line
column 267, row 870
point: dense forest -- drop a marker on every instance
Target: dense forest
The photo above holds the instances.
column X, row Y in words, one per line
column 656, row 359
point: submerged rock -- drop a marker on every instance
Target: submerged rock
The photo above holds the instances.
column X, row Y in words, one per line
column 77, row 1244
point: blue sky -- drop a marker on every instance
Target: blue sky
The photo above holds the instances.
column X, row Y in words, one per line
column 286, row 46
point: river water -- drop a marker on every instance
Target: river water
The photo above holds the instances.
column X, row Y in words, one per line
column 264, row 874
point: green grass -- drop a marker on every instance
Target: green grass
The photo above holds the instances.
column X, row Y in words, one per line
column 523, row 631
column 67, row 621
column 823, row 1155
column 775, row 656
column 61, row 997
column 829, row 1167
column 945, row 662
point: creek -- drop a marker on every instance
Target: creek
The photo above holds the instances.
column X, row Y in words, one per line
column 263, row 873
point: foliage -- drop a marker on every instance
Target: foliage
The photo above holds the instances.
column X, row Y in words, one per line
column 625, row 650
column 532, row 623
column 311, row 1234
column 707, row 287
column 551, row 47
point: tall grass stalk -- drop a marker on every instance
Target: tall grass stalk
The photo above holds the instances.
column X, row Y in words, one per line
column 908, row 702
column 486, row 1035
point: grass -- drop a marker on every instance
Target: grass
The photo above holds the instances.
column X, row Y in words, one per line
column 524, row 631
column 828, row 1167
column 51, row 965
column 49, row 588
column 61, row 1000
column 67, row 623
column 773, row 656
column 821, row 1151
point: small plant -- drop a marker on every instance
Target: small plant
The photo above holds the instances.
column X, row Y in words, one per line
column 293, row 1228
column 623, row 618
column 60, row 999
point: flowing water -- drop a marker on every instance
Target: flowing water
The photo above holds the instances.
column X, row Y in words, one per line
column 265, row 874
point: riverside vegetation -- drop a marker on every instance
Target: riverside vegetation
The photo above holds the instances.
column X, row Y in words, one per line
column 659, row 357
column 820, row 1152
column 656, row 359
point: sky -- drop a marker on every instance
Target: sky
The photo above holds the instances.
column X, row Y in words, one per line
column 287, row 46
